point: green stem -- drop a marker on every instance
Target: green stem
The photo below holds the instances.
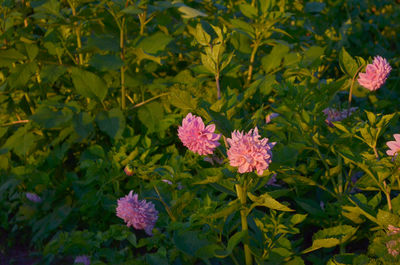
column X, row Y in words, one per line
column 242, row 195
column 218, row 87
column 387, row 194
column 122, row 46
column 165, row 205
column 252, row 57
column 351, row 89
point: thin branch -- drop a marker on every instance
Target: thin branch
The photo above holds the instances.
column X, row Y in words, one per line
column 147, row 101
column 15, row 123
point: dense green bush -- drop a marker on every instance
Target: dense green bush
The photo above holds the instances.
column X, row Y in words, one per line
column 88, row 88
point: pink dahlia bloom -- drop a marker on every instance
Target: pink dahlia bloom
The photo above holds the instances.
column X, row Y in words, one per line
column 198, row 138
column 393, row 246
column 82, row 260
column 393, row 145
column 33, row 197
column 337, row 115
column 248, row 152
column 375, row 74
column 136, row 213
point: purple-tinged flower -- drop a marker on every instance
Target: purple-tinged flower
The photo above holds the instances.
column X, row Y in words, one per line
column 271, row 116
column 394, row 146
column 337, row 115
column 375, row 74
column 136, row 213
column 82, row 260
column 128, row 170
column 198, row 138
column 33, row 197
column 248, row 152
column 167, row 181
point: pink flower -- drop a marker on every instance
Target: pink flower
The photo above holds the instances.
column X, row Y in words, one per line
column 33, row 197
column 393, row 145
column 337, row 115
column 128, row 170
column 375, row 74
column 198, row 138
column 393, row 246
column 82, row 259
column 139, row 214
column 248, row 152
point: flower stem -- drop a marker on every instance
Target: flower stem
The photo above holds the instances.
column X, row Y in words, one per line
column 252, row 57
column 242, row 195
column 218, row 87
column 387, row 194
column 351, row 89
column 165, row 205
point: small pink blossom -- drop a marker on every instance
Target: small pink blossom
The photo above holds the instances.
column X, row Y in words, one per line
column 136, row 213
column 128, row 170
column 33, row 197
column 271, row 116
column 198, row 138
column 393, row 246
column 337, row 115
column 167, row 181
column 248, row 152
column 393, row 145
column 375, row 74
column 82, row 260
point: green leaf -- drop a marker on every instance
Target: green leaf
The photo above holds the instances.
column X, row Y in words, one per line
column 48, row 118
column 387, row 218
column 106, row 62
column 243, row 27
column 202, row 36
column 183, row 100
column 314, row 7
column 22, row 141
column 83, row 124
column 132, row 10
column 7, row 57
column 51, row 73
column 347, row 63
column 232, row 243
column 224, row 212
column 274, row 59
column 267, row 201
column 112, row 123
column 88, row 84
column 154, row 43
column 150, row 115
column 249, row 11
column 330, row 237
column 189, row 241
column 21, row 74
column 188, row 12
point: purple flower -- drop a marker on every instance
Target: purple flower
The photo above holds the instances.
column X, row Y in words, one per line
column 33, row 197
column 337, row 115
column 82, row 259
column 136, row 213
column 375, row 74
column 248, row 152
column 198, row 138
column 271, row 116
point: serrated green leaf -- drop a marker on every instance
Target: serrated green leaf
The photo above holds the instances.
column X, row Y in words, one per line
column 347, row 63
column 111, row 122
column 88, row 84
column 267, row 201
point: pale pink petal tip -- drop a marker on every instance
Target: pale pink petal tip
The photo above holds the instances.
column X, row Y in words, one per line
column 248, row 152
column 196, row 137
column 337, row 115
column 375, row 74
column 394, row 146
column 136, row 213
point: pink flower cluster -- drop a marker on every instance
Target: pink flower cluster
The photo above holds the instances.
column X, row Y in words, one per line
column 337, row 115
column 136, row 213
column 375, row 74
column 248, row 152
column 196, row 136
column 394, row 145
